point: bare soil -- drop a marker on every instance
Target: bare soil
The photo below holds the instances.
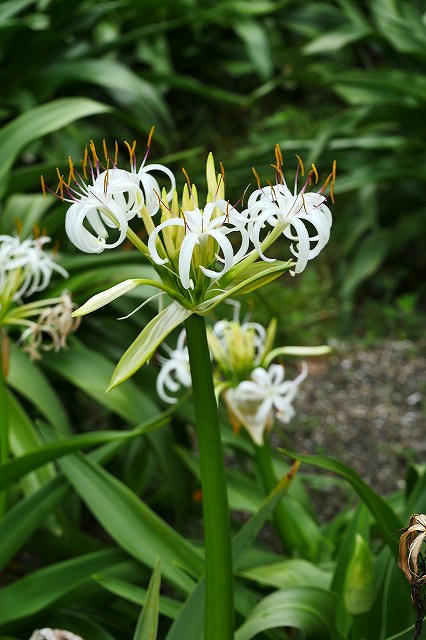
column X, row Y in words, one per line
column 366, row 407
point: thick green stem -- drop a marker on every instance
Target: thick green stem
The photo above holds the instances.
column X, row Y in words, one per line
column 269, row 480
column 219, row 607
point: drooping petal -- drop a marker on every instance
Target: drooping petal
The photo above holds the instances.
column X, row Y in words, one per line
column 228, row 254
column 177, row 222
column 185, row 258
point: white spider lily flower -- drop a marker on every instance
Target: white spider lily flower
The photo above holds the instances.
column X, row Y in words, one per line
column 25, row 267
column 201, row 228
column 294, row 212
column 110, row 201
column 267, row 396
column 175, row 371
column 54, row 634
column 277, row 205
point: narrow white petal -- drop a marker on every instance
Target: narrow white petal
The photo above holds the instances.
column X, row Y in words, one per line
column 185, row 257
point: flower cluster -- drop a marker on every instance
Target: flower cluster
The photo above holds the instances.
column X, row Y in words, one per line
column 255, row 391
column 52, row 328
column 204, row 251
column 26, row 268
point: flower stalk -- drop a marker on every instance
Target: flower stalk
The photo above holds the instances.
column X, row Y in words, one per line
column 219, row 608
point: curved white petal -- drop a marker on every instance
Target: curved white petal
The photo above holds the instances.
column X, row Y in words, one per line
column 228, row 254
column 185, row 258
column 176, row 222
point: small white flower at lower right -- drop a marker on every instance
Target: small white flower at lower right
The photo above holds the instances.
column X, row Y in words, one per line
column 256, row 403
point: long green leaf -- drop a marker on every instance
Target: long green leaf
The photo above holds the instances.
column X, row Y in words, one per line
column 147, row 626
column 38, row 590
column 386, row 519
column 148, row 341
column 24, row 439
column 30, row 382
column 37, row 123
column 131, row 523
column 27, row 515
column 135, row 594
column 90, row 371
column 15, row 469
column 306, row 608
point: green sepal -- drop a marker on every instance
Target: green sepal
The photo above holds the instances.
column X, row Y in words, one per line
column 254, row 276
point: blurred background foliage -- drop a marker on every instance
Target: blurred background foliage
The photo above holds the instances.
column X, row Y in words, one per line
column 329, row 80
column 326, row 79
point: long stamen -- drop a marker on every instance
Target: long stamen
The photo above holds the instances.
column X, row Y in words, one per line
column 187, row 178
column 314, row 169
column 95, row 155
column 105, row 151
column 131, row 150
column 273, row 190
column 71, row 175
column 151, row 133
column 278, row 164
column 84, row 162
column 301, row 168
column 256, row 175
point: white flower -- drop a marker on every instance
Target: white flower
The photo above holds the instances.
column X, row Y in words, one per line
column 200, row 226
column 54, row 634
column 175, row 371
column 110, row 201
column 25, row 267
column 277, row 205
column 292, row 213
column 113, row 197
column 267, row 396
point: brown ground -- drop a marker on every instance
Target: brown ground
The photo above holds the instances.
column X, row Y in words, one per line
column 367, row 408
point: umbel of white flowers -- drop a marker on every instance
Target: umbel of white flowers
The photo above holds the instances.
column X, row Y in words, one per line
column 203, row 249
column 190, row 239
column 26, row 268
column 255, row 391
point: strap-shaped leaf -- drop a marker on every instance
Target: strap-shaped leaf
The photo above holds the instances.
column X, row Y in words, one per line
column 38, row 122
column 387, row 520
column 26, row 596
column 131, row 523
column 147, row 342
column 306, row 608
column 146, row 628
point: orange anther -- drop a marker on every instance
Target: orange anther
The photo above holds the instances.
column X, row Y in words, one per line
column 105, row 150
column 151, row 133
column 187, row 177
column 256, row 175
column 301, row 165
column 94, row 154
column 314, row 169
